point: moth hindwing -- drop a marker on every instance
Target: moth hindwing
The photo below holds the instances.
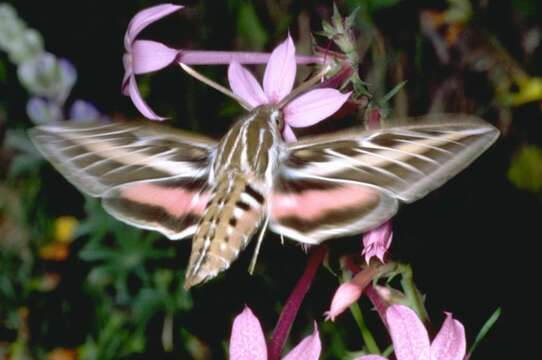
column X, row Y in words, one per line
column 318, row 188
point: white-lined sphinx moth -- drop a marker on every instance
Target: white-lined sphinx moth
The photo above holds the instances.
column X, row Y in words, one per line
column 181, row 184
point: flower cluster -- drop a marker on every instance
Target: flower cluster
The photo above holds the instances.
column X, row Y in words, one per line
column 47, row 78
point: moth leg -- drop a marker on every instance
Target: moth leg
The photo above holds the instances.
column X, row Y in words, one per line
column 258, row 245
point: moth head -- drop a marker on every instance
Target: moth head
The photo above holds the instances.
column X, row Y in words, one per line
column 272, row 114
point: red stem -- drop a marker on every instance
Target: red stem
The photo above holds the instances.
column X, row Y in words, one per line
column 289, row 311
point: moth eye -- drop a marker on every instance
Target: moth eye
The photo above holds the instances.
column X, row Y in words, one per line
column 280, row 123
column 279, row 120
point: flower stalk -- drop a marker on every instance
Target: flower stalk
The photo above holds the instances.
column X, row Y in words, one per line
column 415, row 299
column 289, row 312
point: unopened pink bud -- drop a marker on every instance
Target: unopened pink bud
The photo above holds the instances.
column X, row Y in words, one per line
column 376, row 242
column 349, row 292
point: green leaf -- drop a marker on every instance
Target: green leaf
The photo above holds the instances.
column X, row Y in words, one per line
column 391, row 93
column 351, row 19
column 484, row 330
column 525, row 171
column 250, row 27
column 327, row 30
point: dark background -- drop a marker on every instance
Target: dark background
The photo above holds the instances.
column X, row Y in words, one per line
column 472, row 243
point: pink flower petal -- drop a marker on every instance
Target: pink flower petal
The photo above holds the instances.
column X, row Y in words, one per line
column 288, row 134
column 345, row 295
column 308, row 349
column 314, row 106
column 377, row 241
column 450, row 342
column 247, row 341
column 279, row 76
column 245, row 85
column 408, row 334
column 378, row 297
column 349, row 292
column 133, row 92
column 371, row 357
column 150, row 56
column 146, row 17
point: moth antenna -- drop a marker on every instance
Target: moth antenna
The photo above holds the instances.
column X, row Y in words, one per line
column 204, row 79
column 304, row 86
column 258, row 245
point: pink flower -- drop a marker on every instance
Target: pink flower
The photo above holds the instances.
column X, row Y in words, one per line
column 143, row 56
column 382, row 297
column 278, row 82
column 377, row 241
column 247, row 341
column 349, row 292
column 411, row 341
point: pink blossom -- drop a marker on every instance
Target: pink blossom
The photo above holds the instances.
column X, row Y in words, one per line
column 377, row 241
column 144, row 56
column 278, row 81
column 382, row 297
column 411, row 341
column 349, row 292
column 247, row 341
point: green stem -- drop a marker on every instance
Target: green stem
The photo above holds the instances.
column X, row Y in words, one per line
column 366, row 334
column 413, row 294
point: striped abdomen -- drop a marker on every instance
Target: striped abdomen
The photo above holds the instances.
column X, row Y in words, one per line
column 241, row 178
column 233, row 214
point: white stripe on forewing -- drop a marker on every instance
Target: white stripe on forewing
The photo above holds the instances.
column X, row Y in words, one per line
column 104, row 160
column 357, row 163
column 134, row 158
column 448, row 135
column 88, row 136
column 428, row 146
column 406, row 154
column 390, row 159
column 66, row 129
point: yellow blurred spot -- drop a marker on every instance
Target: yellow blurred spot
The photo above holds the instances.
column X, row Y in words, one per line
column 525, row 171
column 55, row 251
column 62, row 354
column 64, row 228
column 530, row 89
